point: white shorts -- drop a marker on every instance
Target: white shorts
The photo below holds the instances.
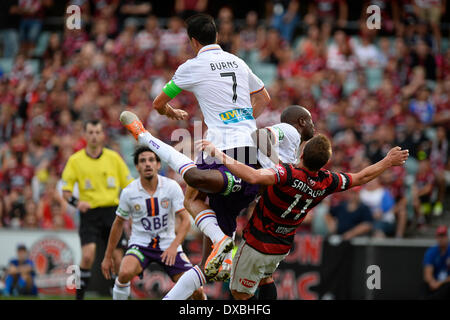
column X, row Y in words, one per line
column 250, row 266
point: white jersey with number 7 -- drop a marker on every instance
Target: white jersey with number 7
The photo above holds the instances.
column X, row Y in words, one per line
column 222, row 84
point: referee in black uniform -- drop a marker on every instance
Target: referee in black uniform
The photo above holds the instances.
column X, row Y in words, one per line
column 101, row 174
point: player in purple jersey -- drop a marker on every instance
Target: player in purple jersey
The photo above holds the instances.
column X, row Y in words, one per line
column 152, row 203
column 296, row 117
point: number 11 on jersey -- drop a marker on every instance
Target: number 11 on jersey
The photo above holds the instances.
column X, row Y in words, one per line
column 294, row 203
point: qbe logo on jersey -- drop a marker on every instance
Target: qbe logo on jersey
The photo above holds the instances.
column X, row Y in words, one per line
column 236, row 115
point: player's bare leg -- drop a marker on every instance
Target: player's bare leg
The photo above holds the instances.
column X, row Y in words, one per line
column 88, row 255
column 241, row 295
column 87, row 260
column 207, row 181
column 219, row 244
column 194, row 278
column 268, row 291
column 129, row 268
column 210, row 181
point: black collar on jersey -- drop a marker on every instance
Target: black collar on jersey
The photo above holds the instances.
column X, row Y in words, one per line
column 97, row 157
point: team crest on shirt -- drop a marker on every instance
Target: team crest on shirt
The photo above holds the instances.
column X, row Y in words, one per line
column 87, row 184
column 165, row 203
column 137, row 207
column 111, row 182
column 280, row 134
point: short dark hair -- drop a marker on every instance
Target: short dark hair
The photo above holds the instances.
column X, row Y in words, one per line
column 202, row 28
column 141, row 149
column 94, row 122
column 293, row 113
column 317, row 152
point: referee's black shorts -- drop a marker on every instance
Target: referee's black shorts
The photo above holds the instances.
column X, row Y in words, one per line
column 96, row 224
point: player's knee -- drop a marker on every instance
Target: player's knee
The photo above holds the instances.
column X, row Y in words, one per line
column 240, row 295
column 87, row 255
column 125, row 275
column 198, row 294
column 128, row 269
column 87, row 260
column 266, row 280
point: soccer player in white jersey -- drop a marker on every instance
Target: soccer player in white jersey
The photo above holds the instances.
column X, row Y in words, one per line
column 152, row 202
column 282, row 141
column 297, row 125
column 230, row 96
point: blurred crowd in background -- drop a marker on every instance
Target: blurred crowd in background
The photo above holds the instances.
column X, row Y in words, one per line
column 367, row 89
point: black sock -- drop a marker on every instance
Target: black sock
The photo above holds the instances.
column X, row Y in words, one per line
column 267, row 291
column 85, row 277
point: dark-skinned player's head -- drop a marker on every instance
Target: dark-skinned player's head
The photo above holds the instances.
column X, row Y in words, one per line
column 300, row 118
column 316, row 153
column 201, row 28
column 146, row 161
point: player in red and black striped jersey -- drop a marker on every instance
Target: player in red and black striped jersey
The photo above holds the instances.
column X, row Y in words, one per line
column 291, row 192
column 284, row 205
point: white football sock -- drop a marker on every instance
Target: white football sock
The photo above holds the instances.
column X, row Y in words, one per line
column 206, row 221
column 190, row 281
column 121, row 291
column 176, row 160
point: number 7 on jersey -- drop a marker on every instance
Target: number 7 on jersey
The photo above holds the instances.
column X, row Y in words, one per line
column 233, row 76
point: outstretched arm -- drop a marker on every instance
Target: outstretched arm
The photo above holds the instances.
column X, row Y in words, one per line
column 240, row 170
column 395, row 157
